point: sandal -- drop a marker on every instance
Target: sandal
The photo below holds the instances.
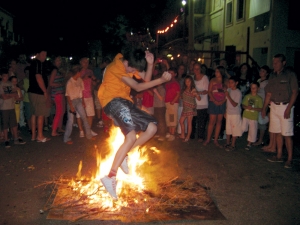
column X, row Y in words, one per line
column 185, row 140
column 43, row 140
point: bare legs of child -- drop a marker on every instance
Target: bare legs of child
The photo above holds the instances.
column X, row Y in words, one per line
column 215, row 120
column 189, row 127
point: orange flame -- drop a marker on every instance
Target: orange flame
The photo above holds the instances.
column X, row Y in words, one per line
column 94, row 189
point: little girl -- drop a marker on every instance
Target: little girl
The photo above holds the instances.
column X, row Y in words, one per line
column 188, row 95
column 14, row 81
column 216, row 104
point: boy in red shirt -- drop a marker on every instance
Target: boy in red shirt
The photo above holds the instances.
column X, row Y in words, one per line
column 172, row 100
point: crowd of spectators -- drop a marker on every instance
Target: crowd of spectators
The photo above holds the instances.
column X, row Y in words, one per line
column 200, row 103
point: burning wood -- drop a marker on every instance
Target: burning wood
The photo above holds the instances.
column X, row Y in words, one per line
column 139, row 201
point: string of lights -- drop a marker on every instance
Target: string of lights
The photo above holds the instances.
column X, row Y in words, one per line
column 168, row 27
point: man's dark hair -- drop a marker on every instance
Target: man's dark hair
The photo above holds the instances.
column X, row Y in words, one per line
column 26, row 68
column 281, row 57
column 217, row 61
column 107, row 60
column 173, row 69
column 256, row 83
column 266, row 68
column 234, row 78
column 12, row 77
column 136, row 58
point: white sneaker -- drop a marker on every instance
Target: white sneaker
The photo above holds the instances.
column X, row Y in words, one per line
column 161, row 139
column 81, row 134
column 110, row 184
column 168, row 135
column 93, row 133
column 171, row 138
column 124, row 165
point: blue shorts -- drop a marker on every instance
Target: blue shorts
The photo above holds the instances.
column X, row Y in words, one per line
column 128, row 116
column 216, row 109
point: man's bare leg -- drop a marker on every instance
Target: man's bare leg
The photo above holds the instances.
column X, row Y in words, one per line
column 33, row 127
column 289, row 147
column 40, row 126
column 279, row 143
column 131, row 142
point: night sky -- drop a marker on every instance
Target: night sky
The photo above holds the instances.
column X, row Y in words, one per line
column 78, row 22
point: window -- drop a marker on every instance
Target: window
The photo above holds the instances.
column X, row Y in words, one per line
column 240, row 10
column 229, row 9
column 199, row 6
column 262, row 22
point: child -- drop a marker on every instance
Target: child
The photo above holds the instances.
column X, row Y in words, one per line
column 262, row 122
column 233, row 113
column 14, row 81
column 75, row 101
column 159, row 104
column 8, row 94
column 26, row 102
column 114, row 96
column 188, row 95
column 216, row 105
column 171, row 101
column 252, row 104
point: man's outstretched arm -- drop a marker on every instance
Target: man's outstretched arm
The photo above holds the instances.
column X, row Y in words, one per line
column 145, row 85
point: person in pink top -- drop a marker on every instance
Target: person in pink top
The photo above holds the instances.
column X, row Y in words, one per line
column 216, row 104
column 172, row 100
column 148, row 100
column 89, row 80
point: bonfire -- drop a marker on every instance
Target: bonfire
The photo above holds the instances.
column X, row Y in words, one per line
column 138, row 200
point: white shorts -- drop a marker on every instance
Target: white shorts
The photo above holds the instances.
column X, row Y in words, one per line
column 277, row 122
column 89, row 106
column 252, row 131
column 234, row 125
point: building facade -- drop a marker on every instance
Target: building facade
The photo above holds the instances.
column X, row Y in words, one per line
column 259, row 28
column 6, row 27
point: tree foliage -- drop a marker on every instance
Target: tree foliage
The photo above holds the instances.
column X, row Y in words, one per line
column 115, row 34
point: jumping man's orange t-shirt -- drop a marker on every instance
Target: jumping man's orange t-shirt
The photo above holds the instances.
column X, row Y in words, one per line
column 112, row 85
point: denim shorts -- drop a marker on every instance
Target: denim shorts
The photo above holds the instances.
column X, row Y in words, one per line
column 128, row 116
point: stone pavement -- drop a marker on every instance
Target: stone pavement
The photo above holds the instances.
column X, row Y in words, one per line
column 246, row 188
